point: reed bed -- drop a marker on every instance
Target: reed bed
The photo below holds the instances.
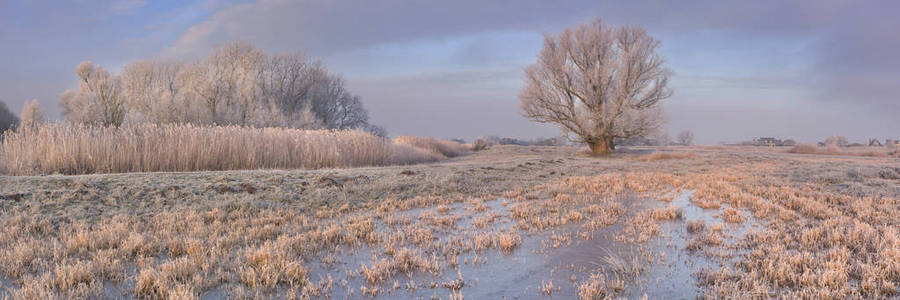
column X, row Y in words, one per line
column 80, row 149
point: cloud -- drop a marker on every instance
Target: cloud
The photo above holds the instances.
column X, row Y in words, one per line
column 322, row 27
column 126, row 7
column 341, row 25
column 858, row 60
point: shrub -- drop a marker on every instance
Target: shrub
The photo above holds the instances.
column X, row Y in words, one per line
column 407, row 155
column 804, row 149
column 839, row 141
column 442, row 147
column 833, row 150
column 479, row 145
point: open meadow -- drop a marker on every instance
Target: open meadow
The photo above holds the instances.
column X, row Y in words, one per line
column 513, row 221
column 529, row 149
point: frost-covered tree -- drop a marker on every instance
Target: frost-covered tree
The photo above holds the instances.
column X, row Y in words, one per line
column 336, row 107
column 153, row 93
column 686, row 138
column 225, row 82
column 7, row 119
column 98, row 100
column 287, row 85
column 598, row 83
column 839, row 141
column 32, row 115
column 236, row 84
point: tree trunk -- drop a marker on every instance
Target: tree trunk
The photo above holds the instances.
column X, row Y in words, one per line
column 601, row 146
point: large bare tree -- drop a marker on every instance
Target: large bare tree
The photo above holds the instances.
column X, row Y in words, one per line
column 598, row 83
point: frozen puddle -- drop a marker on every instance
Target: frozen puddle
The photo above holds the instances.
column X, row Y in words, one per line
column 547, row 264
column 662, row 267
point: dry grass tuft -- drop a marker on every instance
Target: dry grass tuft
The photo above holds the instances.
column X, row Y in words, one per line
column 655, row 156
column 696, row 226
column 405, row 261
column 834, row 150
column 732, row 215
column 547, row 288
column 668, row 213
column 508, row 241
column 805, row 149
column 599, row 286
column 703, row 239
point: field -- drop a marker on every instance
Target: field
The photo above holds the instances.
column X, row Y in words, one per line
column 514, row 221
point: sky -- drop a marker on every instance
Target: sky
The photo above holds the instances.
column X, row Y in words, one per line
column 452, row 69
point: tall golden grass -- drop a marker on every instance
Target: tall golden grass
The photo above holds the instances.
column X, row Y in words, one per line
column 81, row 149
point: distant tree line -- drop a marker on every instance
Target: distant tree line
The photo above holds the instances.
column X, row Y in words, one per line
column 496, row 140
column 7, row 119
column 237, row 84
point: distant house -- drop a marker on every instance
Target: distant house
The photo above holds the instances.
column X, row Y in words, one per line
column 767, row 141
column 874, row 143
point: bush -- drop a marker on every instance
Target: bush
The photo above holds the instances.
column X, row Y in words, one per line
column 479, row 145
column 83, row 149
column 442, row 147
column 804, row 149
column 407, row 155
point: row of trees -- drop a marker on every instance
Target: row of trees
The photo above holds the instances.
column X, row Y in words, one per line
column 237, row 84
column 32, row 116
